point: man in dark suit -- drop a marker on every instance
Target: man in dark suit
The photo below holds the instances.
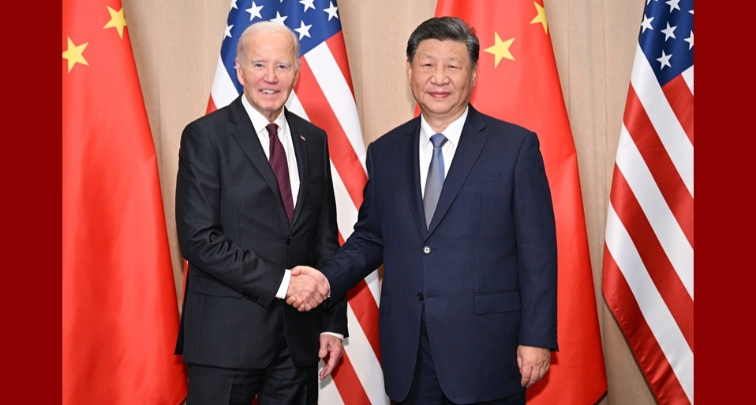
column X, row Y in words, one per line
column 254, row 197
column 458, row 209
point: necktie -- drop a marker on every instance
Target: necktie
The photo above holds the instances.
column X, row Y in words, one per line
column 280, row 169
column 435, row 180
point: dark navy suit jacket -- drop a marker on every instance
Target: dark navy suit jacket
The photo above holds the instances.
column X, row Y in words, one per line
column 485, row 272
column 233, row 231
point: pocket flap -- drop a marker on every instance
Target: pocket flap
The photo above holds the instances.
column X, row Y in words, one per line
column 500, row 301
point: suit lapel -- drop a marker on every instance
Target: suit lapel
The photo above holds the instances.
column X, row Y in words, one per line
column 471, row 143
column 246, row 136
column 412, row 176
column 300, row 150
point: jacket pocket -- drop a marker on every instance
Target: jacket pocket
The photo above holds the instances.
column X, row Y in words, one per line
column 499, row 301
column 210, row 286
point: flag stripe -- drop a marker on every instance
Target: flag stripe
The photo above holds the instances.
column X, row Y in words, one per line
column 348, row 384
column 680, row 98
column 338, row 51
column 658, row 213
column 346, row 212
column 671, row 133
column 364, row 362
column 688, row 76
column 329, row 394
column 223, row 91
column 339, row 95
column 366, row 311
column 654, row 364
column 657, row 160
column 660, row 269
column 342, row 154
column 660, row 321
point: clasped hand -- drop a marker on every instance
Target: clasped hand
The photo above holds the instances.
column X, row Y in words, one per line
column 307, row 288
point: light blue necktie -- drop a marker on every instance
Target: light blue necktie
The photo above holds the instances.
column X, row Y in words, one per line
column 435, row 180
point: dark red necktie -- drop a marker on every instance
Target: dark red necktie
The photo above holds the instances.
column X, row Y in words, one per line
column 280, row 169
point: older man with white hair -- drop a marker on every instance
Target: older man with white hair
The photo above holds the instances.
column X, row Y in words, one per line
column 254, row 198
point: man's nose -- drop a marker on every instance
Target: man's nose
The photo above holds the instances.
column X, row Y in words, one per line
column 439, row 75
column 271, row 74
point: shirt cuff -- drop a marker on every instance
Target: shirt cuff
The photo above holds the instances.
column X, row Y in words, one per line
column 338, row 335
column 281, row 294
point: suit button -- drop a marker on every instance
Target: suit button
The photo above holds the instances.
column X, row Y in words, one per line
column 426, row 250
column 288, row 240
column 419, row 296
column 254, row 298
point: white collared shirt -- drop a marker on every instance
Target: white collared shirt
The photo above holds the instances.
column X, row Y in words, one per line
column 452, row 133
column 284, row 135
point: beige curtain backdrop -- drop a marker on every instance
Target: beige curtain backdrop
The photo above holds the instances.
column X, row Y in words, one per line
column 177, row 43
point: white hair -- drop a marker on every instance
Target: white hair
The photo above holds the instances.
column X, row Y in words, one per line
column 269, row 27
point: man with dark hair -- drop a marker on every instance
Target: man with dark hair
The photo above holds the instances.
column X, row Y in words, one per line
column 458, row 209
column 254, row 197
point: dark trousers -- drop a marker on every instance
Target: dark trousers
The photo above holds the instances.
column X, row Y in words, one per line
column 279, row 383
column 425, row 389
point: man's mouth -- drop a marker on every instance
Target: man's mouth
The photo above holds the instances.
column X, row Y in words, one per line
column 438, row 94
column 268, row 91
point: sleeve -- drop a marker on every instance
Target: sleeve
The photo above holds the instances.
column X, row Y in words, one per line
column 535, row 233
column 200, row 231
column 363, row 251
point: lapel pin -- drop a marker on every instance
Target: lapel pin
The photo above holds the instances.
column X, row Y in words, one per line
column 303, row 138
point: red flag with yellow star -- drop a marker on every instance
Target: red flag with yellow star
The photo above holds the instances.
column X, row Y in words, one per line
column 518, row 82
column 120, row 313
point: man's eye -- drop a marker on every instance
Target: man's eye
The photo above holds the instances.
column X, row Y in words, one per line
column 258, row 65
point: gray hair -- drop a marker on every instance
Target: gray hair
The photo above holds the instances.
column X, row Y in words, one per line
column 443, row 29
column 270, row 27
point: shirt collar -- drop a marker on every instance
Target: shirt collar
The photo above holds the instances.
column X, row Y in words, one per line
column 452, row 132
column 258, row 120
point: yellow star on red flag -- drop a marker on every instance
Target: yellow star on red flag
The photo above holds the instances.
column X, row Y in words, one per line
column 500, row 49
column 541, row 17
column 75, row 54
column 117, row 21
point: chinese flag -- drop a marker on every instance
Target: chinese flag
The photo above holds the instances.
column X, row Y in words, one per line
column 120, row 313
column 518, row 82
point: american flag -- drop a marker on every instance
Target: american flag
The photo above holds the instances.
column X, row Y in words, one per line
column 323, row 95
column 648, row 254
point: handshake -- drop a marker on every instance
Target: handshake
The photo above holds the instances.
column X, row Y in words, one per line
column 308, row 288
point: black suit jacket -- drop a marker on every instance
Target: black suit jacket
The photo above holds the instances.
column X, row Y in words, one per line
column 233, row 231
column 484, row 273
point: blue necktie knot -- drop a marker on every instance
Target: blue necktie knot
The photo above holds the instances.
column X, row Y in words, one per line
column 438, row 140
